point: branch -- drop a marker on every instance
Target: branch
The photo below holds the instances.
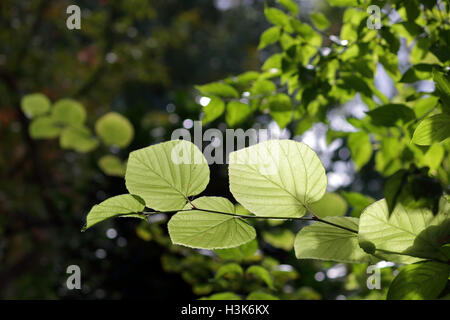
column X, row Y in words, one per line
column 242, row 216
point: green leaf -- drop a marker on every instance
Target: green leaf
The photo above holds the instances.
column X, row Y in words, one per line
column 255, row 295
column 325, row 242
column 112, row 166
column 390, row 115
column 166, row 174
column 280, row 238
column 229, row 269
column 331, row 204
column 35, row 104
column 320, row 21
column 280, row 106
column 393, row 188
column 419, row 281
column 416, row 73
column 218, row 89
column 263, row 87
column 247, row 77
column 237, row 112
column 78, row 138
column 290, row 5
column 260, row 273
column 222, row 296
column 357, row 201
column 44, row 128
column 432, row 129
column 442, row 87
column 360, row 148
column 125, row 205
column 206, row 230
column 391, row 40
column 269, row 36
column 422, row 106
column 277, row 178
column 245, row 251
column 406, row 231
column 433, row 157
column 276, row 16
column 68, row 112
column 343, row 3
column 114, row 129
column 213, row 110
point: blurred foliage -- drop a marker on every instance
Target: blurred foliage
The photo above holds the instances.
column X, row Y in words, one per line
column 139, row 61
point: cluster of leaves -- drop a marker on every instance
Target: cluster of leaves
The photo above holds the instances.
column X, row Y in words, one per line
column 126, row 58
column 65, row 119
column 163, row 177
column 316, row 72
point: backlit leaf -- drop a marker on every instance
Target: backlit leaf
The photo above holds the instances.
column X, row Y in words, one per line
column 166, row 174
column 277, row 178
column 199, row 229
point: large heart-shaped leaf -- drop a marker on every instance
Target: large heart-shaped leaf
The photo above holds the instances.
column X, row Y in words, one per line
column 166, row 174
column 277, row 178
column 206, row 230
column 406, row 231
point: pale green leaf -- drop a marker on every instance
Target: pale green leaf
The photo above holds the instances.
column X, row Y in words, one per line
column 357, row 201
column 433, row 157
column 245, row 251
column 320, row 21
column 419, row 281
column 442, row 87
column 269, row 36
column 260, row 273
column 331, row 204
column 219, row 89
column 290, row 5
column 125, row 205
column 406, row 231
column 206, row 230
column 276, row 16
column 422, row 106
column 360, row 148
column 112, row 166
column 222, row 296
column 280, row 107
column 68, row 112
column 326, row 242
column 213, row 110
column 227, row 270
column 280, row 238
column 43, row 128
column 432, row 129
column 35, row 104
column 78, row 138
column 166, row 174
column 277, row 178
column 237, row 112
column 256, row 295
column 114, row 129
